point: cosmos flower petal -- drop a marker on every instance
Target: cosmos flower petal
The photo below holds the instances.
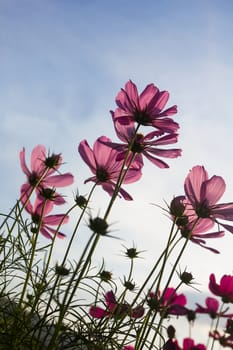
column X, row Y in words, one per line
column 97, row 312
column 214, row 189
column 23, row 162
column 55, row 219
column 193, row 183
column 224, row 211
column 87, row 155
column 38, row 156
column 149, row 97
column 61, row 180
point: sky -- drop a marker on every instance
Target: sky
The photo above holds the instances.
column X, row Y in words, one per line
column 62, row 64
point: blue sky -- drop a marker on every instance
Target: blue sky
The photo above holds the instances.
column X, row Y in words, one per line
column 61, row 66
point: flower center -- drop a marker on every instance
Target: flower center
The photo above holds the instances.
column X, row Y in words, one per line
column 203, row 210
column 52, row 161
column 102, row 175
column 33, row 179
column 142, row 117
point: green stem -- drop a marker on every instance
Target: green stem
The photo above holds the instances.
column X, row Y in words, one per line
column 32, row 255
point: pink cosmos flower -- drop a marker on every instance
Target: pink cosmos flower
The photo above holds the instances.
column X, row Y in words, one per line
column 175, row 303
column 223, row 339
column 204, row 193
column 115, row 309
column 170, row 301
column 188, row 344
column 146, row 108
column 148, row 145
column 212, row 308
column 190, row 225
column 105, row 166
column 224, row 289
column 40, row 216
column 42, row 165
column 171, row 344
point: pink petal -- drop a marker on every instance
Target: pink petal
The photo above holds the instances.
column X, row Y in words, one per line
column 125, row 195
column 202, row 225
column 158, row 162
column 97, row 312
column 38, row 156
column 128, row 99
column 212, row 304
column 87, row 155
column 167, row 153
column 165, row 140
column 55, row 219
column 161, row 100
column 45, row 230
column 217, row 234
column 169, row 111
column 214, row 189
column 193, row 183
column 223, row 211
column 61, row 180
column 42, row 207
column 133, row 175
column 132, row 95
column 23, row 162
column 102, row 153
column 148, row 97
column 25, row 192
column 227, row 227
column 45, row 233
column 165, row 124
column 188, row 344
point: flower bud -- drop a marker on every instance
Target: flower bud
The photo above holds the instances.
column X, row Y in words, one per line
column 131, row 253
column 105, row 276
column 81, row 201
column 53, row 160
column 129, row 285
column 177, row 206
column 186, row 277
column 99, row 226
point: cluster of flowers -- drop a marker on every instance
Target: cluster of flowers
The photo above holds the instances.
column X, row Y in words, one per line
column 116, row 163
column 212, row 308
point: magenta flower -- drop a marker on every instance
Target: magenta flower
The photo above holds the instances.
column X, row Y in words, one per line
column 223, row 339
column 169, row 302
column 40, row 216
column 146, row 108
column 115, row 309
column 191, row 226
column 103, row 163
column 128, row 347
column 173, row 302
column 198, row 233
column 148, row 145
column 224, row 289
column 171, row 344
column 212, row 309
column 188, row 344
column 204, row 193
column 46, row 166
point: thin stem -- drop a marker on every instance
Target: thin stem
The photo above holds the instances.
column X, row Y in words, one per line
column 77, row 225
column 32, row 255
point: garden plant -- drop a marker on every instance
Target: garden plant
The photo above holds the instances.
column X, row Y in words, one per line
column 78, row 304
